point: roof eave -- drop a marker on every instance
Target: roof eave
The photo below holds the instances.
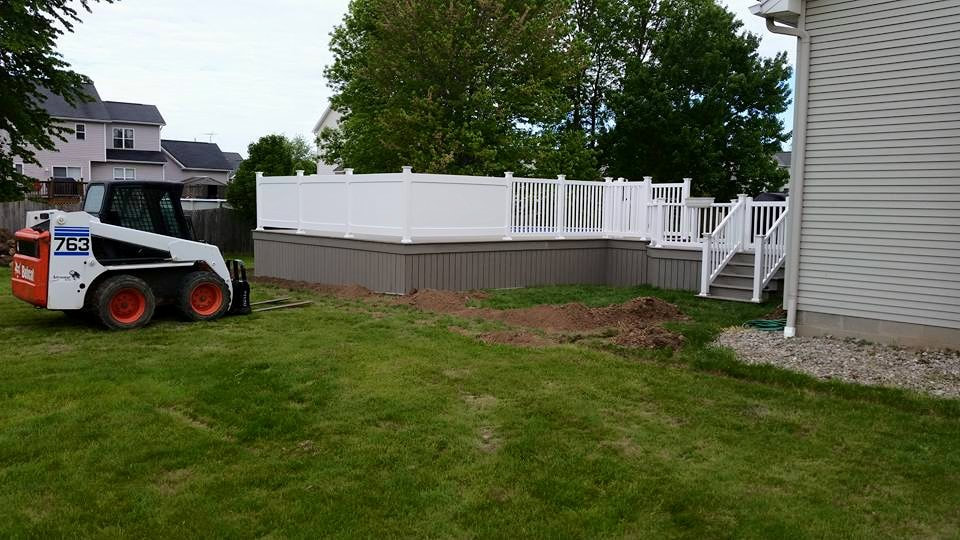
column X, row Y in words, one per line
column 782, row 11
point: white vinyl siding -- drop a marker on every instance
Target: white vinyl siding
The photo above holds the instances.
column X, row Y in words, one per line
column 880, row 237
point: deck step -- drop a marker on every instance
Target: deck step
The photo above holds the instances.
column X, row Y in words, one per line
column 730, row 299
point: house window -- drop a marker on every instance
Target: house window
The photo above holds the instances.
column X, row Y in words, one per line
column 124, row 173
column 81, row 132
column 67, row 173
column 123, row 138
column 18, row 168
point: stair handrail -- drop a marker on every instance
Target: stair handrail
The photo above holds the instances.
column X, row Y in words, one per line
column 720, row 246
column 770, row 254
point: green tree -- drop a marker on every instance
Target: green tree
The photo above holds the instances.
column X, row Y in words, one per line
column 304, row 155
column 29, row 63
column 273, row 156
column 449, row 86
column 697, row 101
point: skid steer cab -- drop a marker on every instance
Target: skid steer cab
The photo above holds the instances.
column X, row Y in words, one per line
column 129, row 250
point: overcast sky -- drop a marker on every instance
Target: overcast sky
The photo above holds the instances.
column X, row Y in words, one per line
column 236, row 68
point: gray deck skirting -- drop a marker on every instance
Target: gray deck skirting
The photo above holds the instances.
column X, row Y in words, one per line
column 401, row 268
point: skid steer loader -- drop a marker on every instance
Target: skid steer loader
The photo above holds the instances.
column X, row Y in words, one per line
column 129, row 250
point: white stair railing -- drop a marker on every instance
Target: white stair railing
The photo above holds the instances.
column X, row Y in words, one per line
column 770, row 254
column 724, row 243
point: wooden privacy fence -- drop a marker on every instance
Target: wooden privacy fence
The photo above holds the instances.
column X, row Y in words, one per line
column 222, row 228
column 13, row 215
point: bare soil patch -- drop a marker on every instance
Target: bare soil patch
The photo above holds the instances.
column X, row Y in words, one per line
column 651, row 337
column 636, row 323
column 346, row 292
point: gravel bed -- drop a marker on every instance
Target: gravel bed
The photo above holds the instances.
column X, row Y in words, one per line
column 929, row 371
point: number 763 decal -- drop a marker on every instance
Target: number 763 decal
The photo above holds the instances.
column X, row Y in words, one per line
column 71, row 242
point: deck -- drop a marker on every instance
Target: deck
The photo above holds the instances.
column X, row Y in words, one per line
column 404, row 231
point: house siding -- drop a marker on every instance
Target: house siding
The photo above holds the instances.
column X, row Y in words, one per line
column 880, row 233
column 145, row 137
column 104, row 171
column 72, row 153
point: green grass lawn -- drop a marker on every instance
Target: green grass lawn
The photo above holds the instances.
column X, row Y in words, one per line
column 347, row 420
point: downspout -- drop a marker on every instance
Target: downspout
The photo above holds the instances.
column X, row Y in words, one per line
column 797, row 167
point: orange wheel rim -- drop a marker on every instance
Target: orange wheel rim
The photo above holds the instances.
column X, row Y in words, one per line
column 206, row 299
column 128, row 306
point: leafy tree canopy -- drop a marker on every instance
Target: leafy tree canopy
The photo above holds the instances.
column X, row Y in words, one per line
column 696, row 100
column 669, row 88
column 455, row 86
column 28, row 64
column 273, row 155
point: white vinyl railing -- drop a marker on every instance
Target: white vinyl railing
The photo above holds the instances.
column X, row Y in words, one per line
column 405, row 206
column 568, row 208
column 720, row 246
column 770, row 252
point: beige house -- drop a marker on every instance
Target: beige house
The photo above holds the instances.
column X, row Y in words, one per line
column 114, row 140
column 329, row 119
column 875, row 189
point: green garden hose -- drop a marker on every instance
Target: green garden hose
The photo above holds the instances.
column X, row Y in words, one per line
column 768, row 325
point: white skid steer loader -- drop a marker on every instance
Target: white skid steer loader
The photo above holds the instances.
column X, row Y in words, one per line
column 129, row 250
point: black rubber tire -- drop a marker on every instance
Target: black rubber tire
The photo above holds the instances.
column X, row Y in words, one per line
column 109, row 288
column 193, row 280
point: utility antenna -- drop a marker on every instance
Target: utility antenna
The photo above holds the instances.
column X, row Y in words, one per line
column 209, row 136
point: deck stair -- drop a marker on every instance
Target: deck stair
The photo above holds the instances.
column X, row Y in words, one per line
column 735, row 282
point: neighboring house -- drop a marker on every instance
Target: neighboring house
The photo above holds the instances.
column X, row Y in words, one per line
column 875, row 190
column 201, row 166
column 234, row 159
column 329, row 119
column 114, row 140
column 110, row 140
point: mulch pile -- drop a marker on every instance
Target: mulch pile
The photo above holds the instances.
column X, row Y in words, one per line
column 8, row 246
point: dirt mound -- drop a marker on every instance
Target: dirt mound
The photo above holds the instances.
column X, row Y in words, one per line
column 8, row 246
column 571, row 317
column 651, row 337
column 347, row 292
column 578, row 317
column 441, row 301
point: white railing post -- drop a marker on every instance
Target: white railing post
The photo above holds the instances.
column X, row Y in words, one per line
column 300, row 203
column 561, row 209
column 706, row 265
column 623, row 223
column 747, row 225
column 658, row 218
column 643, row 213
column 407, row 204
column 348, row 184
column 508, row 220
column 259, row 194
column 758, row 268
column 685, row 234
column 605, row 210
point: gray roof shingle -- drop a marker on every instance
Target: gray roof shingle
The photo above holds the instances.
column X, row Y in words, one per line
column 197, row 155
column 145, row 156
column 58, row 107
column 134, row 112
column 234, row 159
